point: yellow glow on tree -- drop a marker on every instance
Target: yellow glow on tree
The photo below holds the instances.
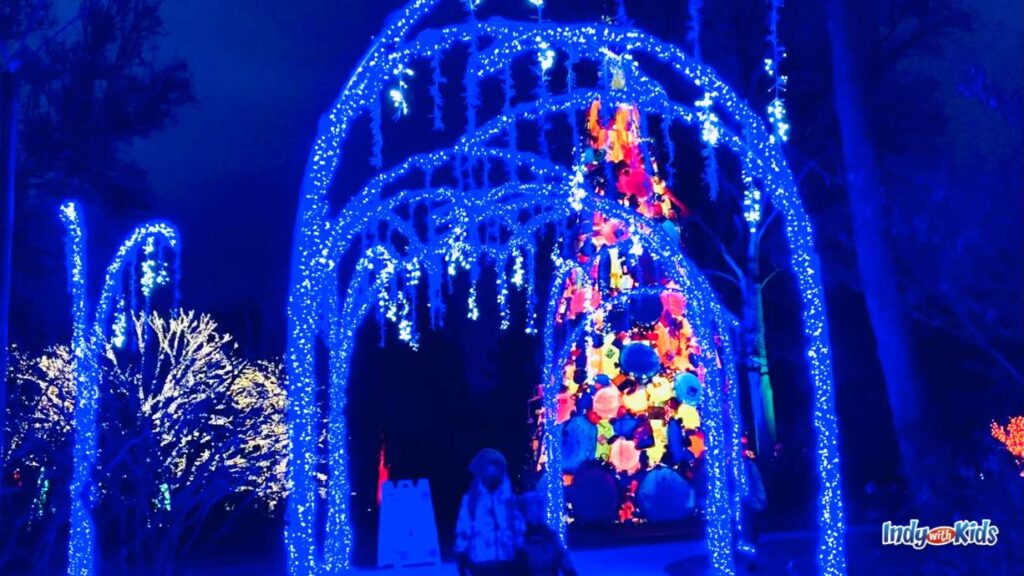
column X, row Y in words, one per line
column 211, row 417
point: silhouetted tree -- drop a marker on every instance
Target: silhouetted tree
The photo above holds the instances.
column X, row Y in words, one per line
column 77, row 90
column 849, row 25
column 936, row 97
column 91, row 91
column 958, row 220
column 931, row 154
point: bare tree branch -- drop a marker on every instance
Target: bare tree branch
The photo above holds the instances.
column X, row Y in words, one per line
column 723, row 251
column 732, row 280
column 764, row 282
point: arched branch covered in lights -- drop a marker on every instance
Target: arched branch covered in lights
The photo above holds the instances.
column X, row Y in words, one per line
column 127, row 279
column 717, row 114
column 465, row 230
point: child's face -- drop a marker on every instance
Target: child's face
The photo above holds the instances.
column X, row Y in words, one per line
column 491, row 476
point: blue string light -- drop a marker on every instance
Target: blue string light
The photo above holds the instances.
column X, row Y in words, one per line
column 435, row 93
column 88, row 343
column 320, row 240
column 731, row 386
column 546, row 198
column 777, row 115
column 82, row 540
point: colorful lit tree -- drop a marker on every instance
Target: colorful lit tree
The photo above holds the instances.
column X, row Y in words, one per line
column 38, row 449
column 40, row 417
column 635, row 379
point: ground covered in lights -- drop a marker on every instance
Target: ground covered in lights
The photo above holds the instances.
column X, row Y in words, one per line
column 782, row 553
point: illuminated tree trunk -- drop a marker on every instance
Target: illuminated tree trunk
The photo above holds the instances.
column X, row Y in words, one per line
column 849, row 25
column 8, row 147
column 755, row 353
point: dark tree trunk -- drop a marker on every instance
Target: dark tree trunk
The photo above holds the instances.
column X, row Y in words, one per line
column 850, row 28
column 8, row 154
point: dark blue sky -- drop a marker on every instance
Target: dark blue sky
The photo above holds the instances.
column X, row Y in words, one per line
column 228, row 171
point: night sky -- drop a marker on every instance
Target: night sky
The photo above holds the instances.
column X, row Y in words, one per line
column 228, row 171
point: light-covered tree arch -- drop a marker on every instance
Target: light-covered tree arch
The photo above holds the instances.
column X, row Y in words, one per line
column 435, row 213
column 141, row 265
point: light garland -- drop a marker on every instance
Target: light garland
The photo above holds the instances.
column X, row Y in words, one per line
column 82, row 540
column 777, row 115
column 731, row 386
column 401, row 72
column 316, row 236
column 546, row 59
column 120, row 327
column 752, row 200
column 1011, row 436
column 710, row 134
column 435, row 92
column 87, row 343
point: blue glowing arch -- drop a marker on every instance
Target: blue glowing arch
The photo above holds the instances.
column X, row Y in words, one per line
column 152, row 240
column 316, row 298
